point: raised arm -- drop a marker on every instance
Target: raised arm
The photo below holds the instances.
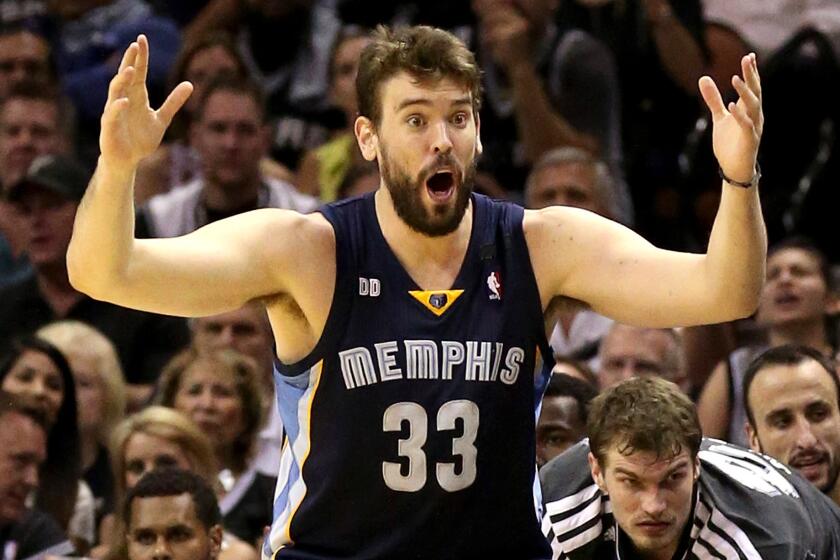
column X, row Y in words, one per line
column 216, row 268
column 580, row 255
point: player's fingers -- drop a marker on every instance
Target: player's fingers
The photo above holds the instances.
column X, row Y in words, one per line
column 119, row 83
column 737, row 110
column 128, row 57
column 174, row 102
column 749, row 65
column 712, row 97
column 142, row 64
column 748, row 100
column 112, row 112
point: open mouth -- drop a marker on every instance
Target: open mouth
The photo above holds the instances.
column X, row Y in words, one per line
column 441, row 185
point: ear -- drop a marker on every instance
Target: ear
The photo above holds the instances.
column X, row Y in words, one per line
column 479, row 148
column 597, row 473
column 216, row 541
column 366, row 137
column 832, row 303
column 752, row 437
column 696, row 468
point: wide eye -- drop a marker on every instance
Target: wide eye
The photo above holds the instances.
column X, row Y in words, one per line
column 414, row 121
column 460, row 119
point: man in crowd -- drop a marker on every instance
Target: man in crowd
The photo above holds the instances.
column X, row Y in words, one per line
column 172, row 514
column 562, row 422
column 24, row 532
column 47, row 198
column 231, row 137
column 647, row 485
column 791, row 396
column 628, row 351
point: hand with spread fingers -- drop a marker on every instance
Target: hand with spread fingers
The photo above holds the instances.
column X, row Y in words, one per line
column 738, row 126
column 131, row 129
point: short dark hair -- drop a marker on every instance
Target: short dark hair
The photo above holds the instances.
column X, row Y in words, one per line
column 426, row 53
column 647, row 414
column 231, row 84
column 563, row 385
column 170, row 481
column 786, row 355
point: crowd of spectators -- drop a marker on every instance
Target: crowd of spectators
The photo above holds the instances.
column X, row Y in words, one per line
column 587, row 103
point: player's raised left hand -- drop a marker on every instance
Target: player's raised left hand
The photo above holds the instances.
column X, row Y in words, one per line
column 737, row 127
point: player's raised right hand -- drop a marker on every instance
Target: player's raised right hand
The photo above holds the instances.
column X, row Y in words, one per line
column 131, row 129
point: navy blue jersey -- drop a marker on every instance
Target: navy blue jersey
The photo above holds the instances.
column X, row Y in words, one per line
column 411, row 424
column 747, row 506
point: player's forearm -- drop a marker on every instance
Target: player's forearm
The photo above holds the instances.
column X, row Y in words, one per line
column 103, row 233
column 679, row 52
column 737, row 252
column 540, row 127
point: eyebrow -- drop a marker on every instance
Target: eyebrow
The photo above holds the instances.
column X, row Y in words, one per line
column 427, row 102
column 682, row 464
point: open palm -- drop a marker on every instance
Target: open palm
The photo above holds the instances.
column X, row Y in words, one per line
column 737, row 127
column 131, row 129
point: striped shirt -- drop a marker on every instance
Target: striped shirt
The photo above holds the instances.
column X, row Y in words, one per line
column 735, row 491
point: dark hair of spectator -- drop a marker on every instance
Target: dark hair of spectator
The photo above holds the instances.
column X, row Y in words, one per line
column 425, row 53
column 786, row 355
column 246, row 377
column 804, row 244
column 45, row 93
column 562, row 385
column 643, row 414
column 234, row 85
column 61, row 471
column 170, row 481
column 178, row 72
column 9, row 29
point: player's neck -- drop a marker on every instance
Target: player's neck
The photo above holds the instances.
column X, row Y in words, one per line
column 433, row 262
column 810, row 333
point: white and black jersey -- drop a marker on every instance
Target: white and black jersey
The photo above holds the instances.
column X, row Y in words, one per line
column 747, row 506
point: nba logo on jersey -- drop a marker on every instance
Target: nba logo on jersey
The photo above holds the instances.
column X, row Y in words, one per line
column 494, row 284
column 438, row 300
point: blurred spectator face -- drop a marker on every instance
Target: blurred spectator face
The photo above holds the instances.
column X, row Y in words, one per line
column 90, row 390
column 71, row 9
column 634, row 352
column 48, row 221
column 537, row 12
column 146, row 452
column 567, row 184
column 558, row 428
column 28, row 128
column 797, row 419
column 204, row 66
column 345, row 66
column 23, row 56
column 167, row 528
column 36, row 380
column 794, row 291
column 245, row 330
column 23, row 447
column 210, row 398
column 275, row 9
column 231, row 139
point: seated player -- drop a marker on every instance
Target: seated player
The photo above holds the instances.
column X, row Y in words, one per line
column 647, row 485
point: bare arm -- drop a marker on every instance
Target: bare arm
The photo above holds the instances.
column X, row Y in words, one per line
column 583, row 256
column 678, row 51
column 713, row 406
column 217, row 268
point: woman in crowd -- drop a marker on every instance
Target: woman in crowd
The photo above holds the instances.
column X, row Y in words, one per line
column 101, row 395
column 38, row 373
column 794, row 307
column 159, row 437
column 220, row 392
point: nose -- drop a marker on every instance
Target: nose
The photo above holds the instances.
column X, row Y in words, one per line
column 161, row 551
column 225, row 338
column 653, row 504
column 805, row 438
column 441, row 143
column 30, row 477
column 205, row 400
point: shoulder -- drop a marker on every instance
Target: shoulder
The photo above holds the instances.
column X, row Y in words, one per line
column 568, row 475
column 37, row 533
column 176, row 197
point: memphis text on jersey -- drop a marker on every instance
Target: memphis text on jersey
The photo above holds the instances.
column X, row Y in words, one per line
column 430, row 360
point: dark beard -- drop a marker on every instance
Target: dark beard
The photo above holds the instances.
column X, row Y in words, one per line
column 406, row 195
